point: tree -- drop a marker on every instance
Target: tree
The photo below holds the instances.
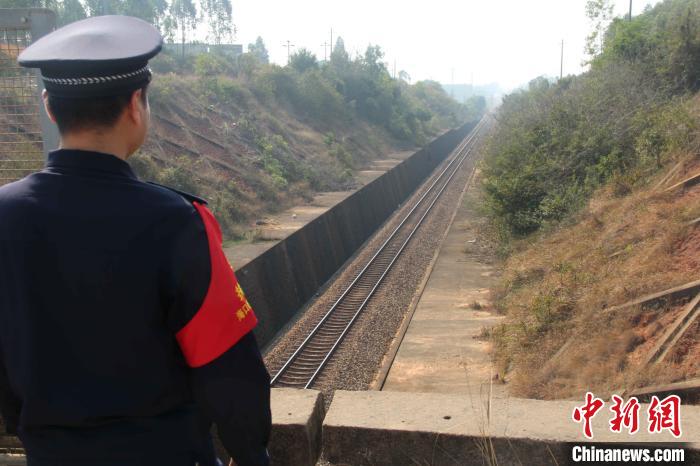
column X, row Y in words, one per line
column 685, row 61
column 168, row 27
column 101, row 7
column 259, row 51
column 184, row 18
column 28, row 4
column 303, row 60
column 476, row 104
column 372, row 60
column 150, row 11
column 404, row 76
column 70, row 11
column 219, row 19
column 339, row 54
column 600, row 13
column 159, row 8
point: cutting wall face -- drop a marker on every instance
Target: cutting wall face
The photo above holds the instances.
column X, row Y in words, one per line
column 282, row 279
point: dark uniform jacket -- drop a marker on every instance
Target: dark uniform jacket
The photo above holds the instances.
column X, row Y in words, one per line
column 123, row 331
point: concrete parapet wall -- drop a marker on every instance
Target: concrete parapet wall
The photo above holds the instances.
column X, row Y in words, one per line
column 396, row 428
column 400, row 428
column 12, row 460
column 297, row 419
column 283, row 278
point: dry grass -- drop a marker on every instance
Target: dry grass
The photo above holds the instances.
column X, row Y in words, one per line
column 555, row 287
column 250, row 156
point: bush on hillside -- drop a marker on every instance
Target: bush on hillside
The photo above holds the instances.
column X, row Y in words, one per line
column 209, row 64
column 556, row 142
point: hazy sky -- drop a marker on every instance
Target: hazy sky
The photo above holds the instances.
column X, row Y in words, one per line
column 504, row 41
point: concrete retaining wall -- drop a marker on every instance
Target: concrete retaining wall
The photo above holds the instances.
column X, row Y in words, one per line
column 282, row 279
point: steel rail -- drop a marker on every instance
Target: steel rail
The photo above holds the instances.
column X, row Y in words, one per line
column 305, row 345
column 461, row 153
column 351, row 285
column 386, row 271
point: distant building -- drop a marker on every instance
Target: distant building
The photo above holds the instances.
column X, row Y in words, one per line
column 226, row 50
column 462, row 92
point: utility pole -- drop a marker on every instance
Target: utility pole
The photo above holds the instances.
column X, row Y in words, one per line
column 325, row 51
column 394, row 68
column 331, row 41
column 289, row 47
column 452, row 88
column 561, row 66
column 630, row 18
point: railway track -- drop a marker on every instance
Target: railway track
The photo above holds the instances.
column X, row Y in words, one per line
column 306, row 363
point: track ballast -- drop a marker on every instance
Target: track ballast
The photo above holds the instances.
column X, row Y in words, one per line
column 303, row 367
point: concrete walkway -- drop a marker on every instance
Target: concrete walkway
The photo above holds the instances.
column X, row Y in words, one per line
column 277, row 227
column 442, row 350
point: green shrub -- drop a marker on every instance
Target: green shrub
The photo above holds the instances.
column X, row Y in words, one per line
column 163, row 89
column 263, row 86
column 164, row 63
column 340, row 153
column 556, row 142
column 144, row 166
column 182, row 175
column 209, row 65
column 231, row 91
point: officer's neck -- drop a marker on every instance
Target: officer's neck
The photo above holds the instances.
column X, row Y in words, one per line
column 105, row 141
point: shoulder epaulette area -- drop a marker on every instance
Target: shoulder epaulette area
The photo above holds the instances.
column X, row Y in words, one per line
column 187, row 196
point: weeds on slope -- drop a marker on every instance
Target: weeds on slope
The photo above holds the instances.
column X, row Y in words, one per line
column 556, row 287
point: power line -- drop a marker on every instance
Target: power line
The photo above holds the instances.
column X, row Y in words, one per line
column 289, row 47
column 630, row 17
column 561, row 66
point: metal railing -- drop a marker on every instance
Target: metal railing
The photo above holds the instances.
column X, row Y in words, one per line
column 26, row 134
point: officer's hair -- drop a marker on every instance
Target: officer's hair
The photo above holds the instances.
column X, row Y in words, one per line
column 79, row 114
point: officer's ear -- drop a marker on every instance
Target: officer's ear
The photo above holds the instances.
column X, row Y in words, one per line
column 45, row 98
column 137, row 108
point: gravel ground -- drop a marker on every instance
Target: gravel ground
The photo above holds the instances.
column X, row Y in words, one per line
column 355, row 363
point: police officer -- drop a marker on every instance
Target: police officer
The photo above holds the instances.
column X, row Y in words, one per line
column 123, row 331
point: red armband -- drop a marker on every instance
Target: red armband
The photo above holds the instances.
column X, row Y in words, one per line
column 225, row 316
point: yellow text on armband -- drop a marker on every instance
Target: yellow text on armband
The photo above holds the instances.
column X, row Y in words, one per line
column 243, row 311
column 239, row 292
